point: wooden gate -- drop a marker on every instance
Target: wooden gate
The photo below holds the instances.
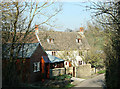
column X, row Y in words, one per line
column 73, row 71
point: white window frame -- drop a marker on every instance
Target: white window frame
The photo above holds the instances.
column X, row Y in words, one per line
column 50, row 40
column 55, row 64
column 78, row 40
column 54, row 53
column 80, row 62
column 36, row 66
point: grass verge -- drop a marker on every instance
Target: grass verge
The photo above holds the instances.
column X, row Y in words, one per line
column 69, row 85
column 101, row 71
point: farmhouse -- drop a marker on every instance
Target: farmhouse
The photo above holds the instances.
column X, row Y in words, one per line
column 70, row 46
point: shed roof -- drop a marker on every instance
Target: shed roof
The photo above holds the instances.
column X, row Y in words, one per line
column 26, row 50
column 46, row 59
column 54, row 59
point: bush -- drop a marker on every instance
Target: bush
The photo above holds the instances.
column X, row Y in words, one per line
column 61, row 77
column 69, row 85
column 101, row 71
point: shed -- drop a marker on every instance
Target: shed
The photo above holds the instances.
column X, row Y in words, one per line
column 55, row 62
column 35, row 60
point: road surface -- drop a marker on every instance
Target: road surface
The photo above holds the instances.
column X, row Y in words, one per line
column 97, row 81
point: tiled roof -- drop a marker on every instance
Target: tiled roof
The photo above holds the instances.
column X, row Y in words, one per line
column 26, row 50
column 62, row 40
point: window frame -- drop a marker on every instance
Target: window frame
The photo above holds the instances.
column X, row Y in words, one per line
column 50, row 40
column 78, row 40
column 80, row 62
column 53, row 53
column 36, row 66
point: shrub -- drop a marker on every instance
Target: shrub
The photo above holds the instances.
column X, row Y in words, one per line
column 101, row 71
column 61, row 77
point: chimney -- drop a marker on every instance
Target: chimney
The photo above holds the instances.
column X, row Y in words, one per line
column 36, row 33
column 36, row 29
column 81, row 29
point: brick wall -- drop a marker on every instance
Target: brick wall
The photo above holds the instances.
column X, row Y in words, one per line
column 36, row 57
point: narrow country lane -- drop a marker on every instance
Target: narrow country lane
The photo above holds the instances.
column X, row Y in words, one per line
column 97, row 81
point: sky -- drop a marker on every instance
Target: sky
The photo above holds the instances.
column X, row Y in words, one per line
column 73, row 16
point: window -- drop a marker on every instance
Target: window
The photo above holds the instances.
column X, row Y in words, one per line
column 66, row 63
column 55, row 65
column 50, row 40
column 53, row 53
column 36, row 66
column 78, row 40
column 70, row 64
column 80, row 62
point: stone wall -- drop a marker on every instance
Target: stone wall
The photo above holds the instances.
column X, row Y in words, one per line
column 83, row 71
column 93, row 70
column 57, row 72
column 70, row 70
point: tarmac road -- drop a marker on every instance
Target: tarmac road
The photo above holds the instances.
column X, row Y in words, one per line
column 97, row 81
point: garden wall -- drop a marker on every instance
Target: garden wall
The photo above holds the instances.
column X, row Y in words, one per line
column 83, row 71
column 57, row 72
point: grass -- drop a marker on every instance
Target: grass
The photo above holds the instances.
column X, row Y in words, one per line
column 69, row 85
column 101, row 71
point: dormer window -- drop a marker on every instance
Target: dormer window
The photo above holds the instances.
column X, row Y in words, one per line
column 78, row 40
column 53, row 53
column 80, row 62
column 50, row 40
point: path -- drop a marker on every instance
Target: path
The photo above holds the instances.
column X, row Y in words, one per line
column 97, row 81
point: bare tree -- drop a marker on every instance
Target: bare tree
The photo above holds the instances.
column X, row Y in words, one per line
column 96, row 41
column 20, row 17
column 107, row 14
column 18, row 21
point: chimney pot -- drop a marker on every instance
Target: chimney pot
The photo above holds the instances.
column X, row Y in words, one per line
column 36, row 27
column 81, row 29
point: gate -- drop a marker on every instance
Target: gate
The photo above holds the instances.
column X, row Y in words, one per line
column 73, row 71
